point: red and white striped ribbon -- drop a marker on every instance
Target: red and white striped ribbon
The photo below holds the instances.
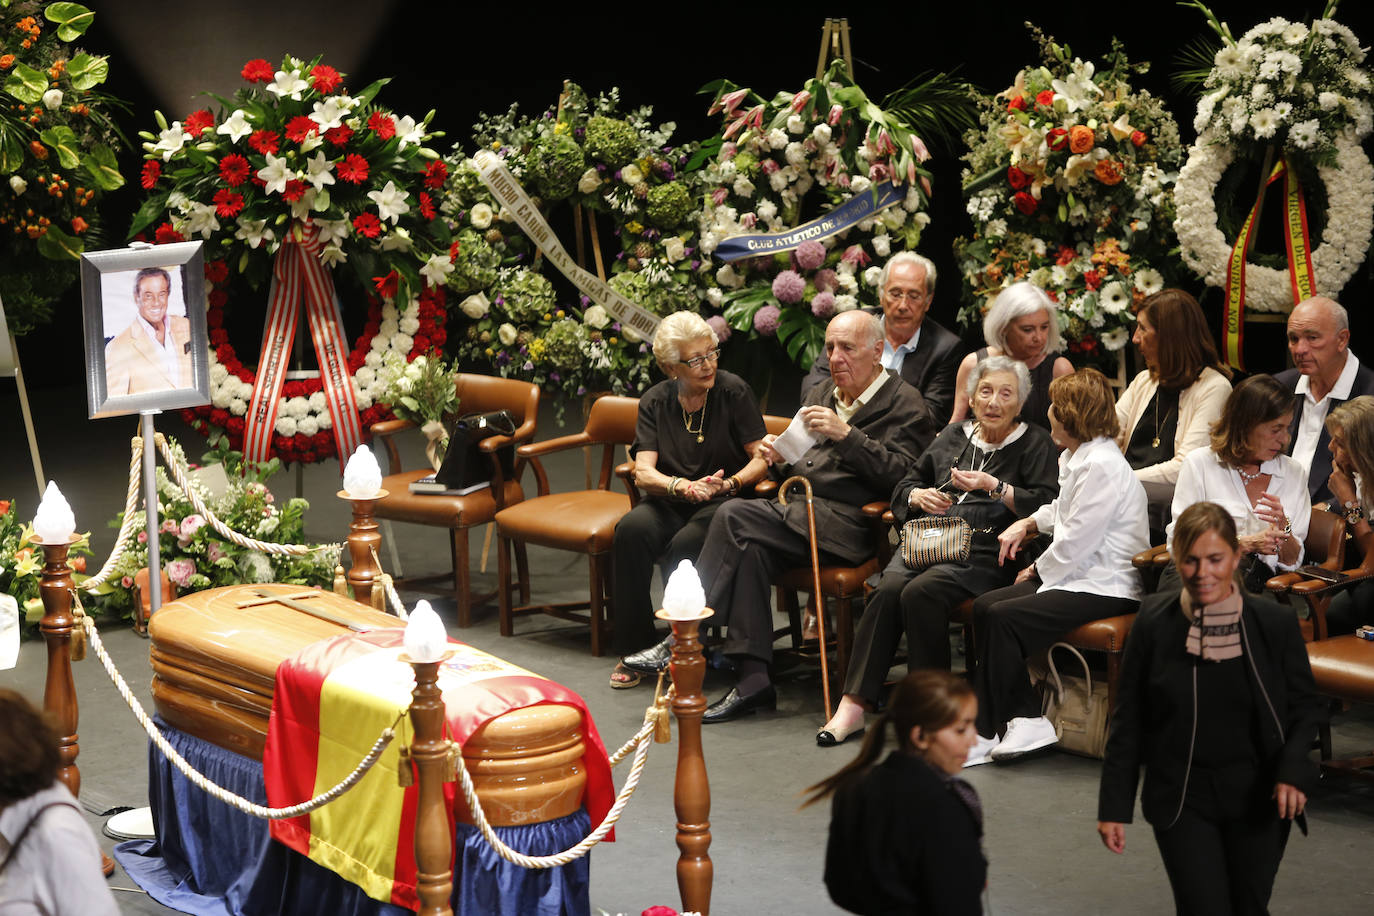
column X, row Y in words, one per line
column 297, row 271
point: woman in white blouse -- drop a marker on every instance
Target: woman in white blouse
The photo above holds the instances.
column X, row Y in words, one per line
column 1168, row 409
column 1247, row 474
column 1098, row 523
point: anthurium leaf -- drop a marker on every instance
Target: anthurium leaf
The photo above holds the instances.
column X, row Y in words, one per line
column 63, row 141
column 58, row 246
column 11, row 150
column 26, row 84
column 72, row 19
column 153, row 208
column 103, row 168
column 88, row 71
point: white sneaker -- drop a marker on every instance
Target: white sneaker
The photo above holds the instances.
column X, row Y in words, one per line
column 980, row 751
column 1023, row 736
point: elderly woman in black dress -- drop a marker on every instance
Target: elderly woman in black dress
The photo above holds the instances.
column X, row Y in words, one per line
column 989, row 471
column 695, row 428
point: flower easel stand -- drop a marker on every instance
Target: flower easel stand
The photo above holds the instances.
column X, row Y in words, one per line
column 9, row 365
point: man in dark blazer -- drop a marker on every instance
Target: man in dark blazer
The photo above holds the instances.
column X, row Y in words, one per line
column 1326, row 373
column 869, row 428
column 923, row 353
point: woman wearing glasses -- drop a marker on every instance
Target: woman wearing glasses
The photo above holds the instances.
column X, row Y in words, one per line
column 1022, row 323
column 989, row 471
column 696, row 433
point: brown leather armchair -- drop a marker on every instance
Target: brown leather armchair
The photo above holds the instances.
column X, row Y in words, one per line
column 581, row 521
column 477, row 394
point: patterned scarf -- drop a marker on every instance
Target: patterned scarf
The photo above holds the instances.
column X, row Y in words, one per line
column 1214, row 629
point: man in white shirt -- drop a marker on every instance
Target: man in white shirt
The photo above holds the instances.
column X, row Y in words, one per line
column 154, row 352
column 923, row 353
column 1325, row 373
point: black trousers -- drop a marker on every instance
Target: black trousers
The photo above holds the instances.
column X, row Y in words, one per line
column 1013, row 624
column 747, row 545
column 654, row 532
column 1226, row 867
column 918, row 604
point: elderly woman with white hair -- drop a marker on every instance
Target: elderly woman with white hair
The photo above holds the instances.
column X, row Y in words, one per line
column 1022, row 323
column 988, row 471
column 694, row 428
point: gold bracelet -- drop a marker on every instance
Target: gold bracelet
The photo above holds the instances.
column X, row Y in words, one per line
column 672, row 487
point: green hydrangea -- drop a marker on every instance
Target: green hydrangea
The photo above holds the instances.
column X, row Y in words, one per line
column 565, row 343
column 465, row 182
column 668, row 205
column 661, row 299
column 524, row 295
column 476, row 266
column 611, row 140
column 555, row 164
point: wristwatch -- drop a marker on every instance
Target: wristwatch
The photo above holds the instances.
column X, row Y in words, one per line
column 1354, row 512
column 997, row 491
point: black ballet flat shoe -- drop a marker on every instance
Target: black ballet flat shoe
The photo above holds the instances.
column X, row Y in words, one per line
column 651, row 660
column 827, row 737
column 733, row 706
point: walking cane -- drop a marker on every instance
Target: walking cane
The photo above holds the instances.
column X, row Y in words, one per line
column 815, row 578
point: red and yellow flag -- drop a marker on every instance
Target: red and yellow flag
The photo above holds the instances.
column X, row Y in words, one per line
column 334, row 698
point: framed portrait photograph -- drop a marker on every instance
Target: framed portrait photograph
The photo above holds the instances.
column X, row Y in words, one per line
column 144, row 312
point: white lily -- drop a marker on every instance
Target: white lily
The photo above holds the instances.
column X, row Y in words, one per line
column 276, row 174
column 409, row 132
column 331, row 112
column 390, row 201
column 288, row 83
column 300, row 209
column 236, row 126
column 319, row 171
column 333, row 231
column 1121, row 128
column 437, row 269
column 254, row 232
column 332, row 255
column 171, row 140
column 202, row 220
column 399, row 240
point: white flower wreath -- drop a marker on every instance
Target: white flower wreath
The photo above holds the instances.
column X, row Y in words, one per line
column 1345, row 242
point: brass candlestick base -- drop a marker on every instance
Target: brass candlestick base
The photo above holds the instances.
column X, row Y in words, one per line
column 364, row 537
column 692, row 790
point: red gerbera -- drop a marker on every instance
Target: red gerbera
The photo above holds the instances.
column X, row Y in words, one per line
column 258, row 71
column 339, row 136
column 165, row 233
column 234, row 169
column 352, row 169
column 295, row 189
column 435, row 174
column 264, row 141
column 1045, row 99
column 152, row 170
column 386, row 286
column 300, row 127
column 325, row 78
column 216, row 271
column 453, row 250
column 367, row 224
column 227, row 204
column 382, row 124
column 198, row 121
column 426, row 206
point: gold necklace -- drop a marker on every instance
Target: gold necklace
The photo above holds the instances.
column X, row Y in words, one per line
column 1154, row 443
column 701, row 424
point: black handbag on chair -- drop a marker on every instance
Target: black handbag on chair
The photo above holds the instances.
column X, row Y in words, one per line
column 465, row 466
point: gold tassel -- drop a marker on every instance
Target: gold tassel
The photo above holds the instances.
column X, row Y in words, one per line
column 663, row 727
column 78, row 643
column 451, row 762
column 340, row 583
column 405, row 775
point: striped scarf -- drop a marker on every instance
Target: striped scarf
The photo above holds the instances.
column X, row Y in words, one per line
column 1214, row 629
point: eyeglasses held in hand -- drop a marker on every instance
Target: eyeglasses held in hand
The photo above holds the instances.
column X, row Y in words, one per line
column 696, row 362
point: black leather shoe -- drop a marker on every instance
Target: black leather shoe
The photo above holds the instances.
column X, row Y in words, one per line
column 651, row 660
column 733, row 706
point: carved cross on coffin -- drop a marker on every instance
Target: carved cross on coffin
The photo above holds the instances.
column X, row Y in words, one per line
column 296, row 602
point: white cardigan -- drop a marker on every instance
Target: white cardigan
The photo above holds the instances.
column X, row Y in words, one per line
column 1199, row 406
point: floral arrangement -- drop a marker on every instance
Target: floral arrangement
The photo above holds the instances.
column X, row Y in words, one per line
column 423, row 391
column 294, row 152
column 1284, row 90
column 589, row 153
column 1069, row 182
column 21, row 561
column 194, row 556
column 58, row 145
column 781, row 161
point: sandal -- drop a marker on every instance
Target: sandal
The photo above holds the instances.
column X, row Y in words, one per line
column 623, row 678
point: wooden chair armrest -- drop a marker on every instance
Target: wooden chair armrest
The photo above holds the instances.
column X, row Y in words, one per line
column 1156, row 556
column 889, row 518
column 876, row 510
column 557, row 444
column 626, row 472
column 1282, row 583
column 385, row 430
column 766, row 487
column 1313, row 587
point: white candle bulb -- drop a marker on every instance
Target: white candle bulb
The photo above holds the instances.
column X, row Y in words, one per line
column 362, row 475
column 54, row 522
column 683, row 596
column 425, row 639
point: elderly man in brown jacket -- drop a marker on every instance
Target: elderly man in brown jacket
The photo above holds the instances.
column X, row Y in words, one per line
column 870, row 427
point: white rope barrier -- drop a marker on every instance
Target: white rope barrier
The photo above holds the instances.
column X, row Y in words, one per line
column 202, row 781
column 390, row 589
column 126, row 528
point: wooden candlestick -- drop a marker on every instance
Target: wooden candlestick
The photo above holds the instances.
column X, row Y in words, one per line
column 433, row 828
column 364, row 537
column 692, row 790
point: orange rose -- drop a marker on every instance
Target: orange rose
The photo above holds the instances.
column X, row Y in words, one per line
column 6, row 61
column 1108, row 171
column 1081, row 139
column 4, row 507
column 78, row 564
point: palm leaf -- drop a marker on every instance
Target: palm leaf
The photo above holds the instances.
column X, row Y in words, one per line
column 1193, row 63
column 938, row 106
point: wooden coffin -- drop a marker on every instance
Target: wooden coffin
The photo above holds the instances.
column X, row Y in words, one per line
column 214, row 671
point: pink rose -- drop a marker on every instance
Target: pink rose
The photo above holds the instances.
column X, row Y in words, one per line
column 180, row 571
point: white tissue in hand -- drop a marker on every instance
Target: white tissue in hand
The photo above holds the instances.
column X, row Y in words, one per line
column 683, row 596
column 54, row 522
column 425, row 639
column 362, row 475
